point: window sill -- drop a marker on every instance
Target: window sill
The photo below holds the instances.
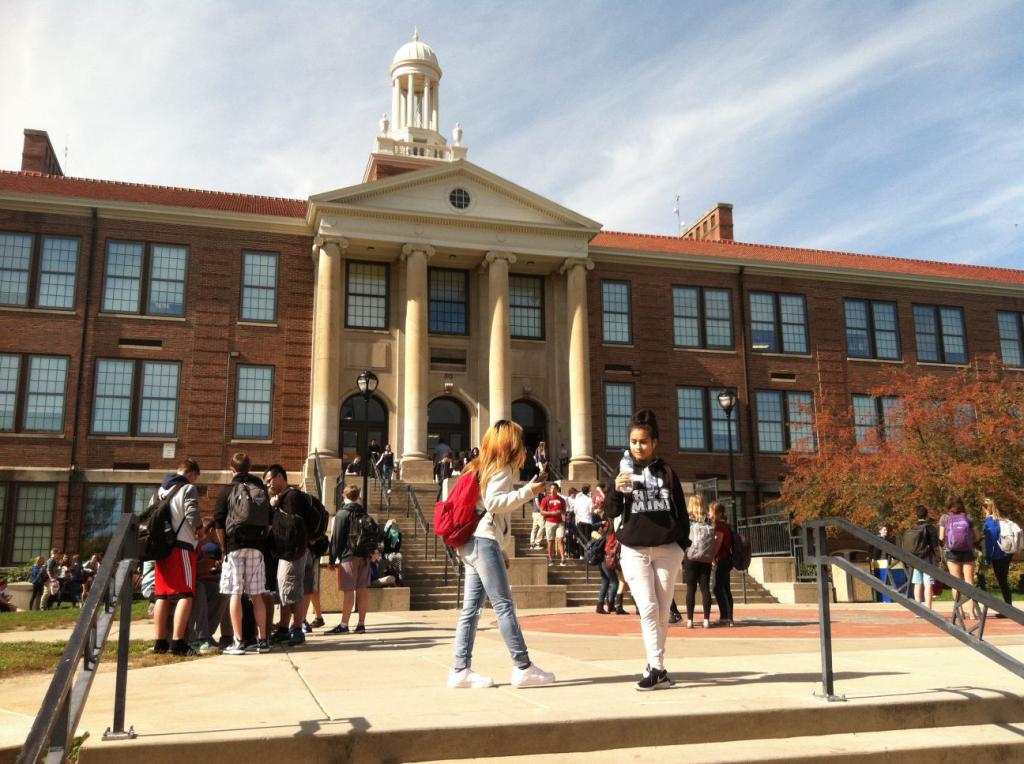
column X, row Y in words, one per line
column 46, row 311
column 617, row 344
column 704, row 452
column 252, row 441
column 875, row 360
column 34, row 435
column 260, row 324
column 944, row 365
column 781, row 355
column 143, row 317
column 136, row 438
column 368, row 330
column 717, row 351
column 530, row 340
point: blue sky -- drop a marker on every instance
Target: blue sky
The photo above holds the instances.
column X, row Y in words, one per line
column 881, row 127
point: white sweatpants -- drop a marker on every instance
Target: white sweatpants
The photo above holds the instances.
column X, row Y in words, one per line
column 651, row 572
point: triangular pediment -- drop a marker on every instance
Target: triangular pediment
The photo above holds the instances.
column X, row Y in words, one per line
column 429, row 192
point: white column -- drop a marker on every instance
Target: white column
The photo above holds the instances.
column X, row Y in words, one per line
column 324, row 419
column 410, row 104
column 395, row 108
column 415, row 465
column 500, row 348
column 581, row 464
column 425, row 119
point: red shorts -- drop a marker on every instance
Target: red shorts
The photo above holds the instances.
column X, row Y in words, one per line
column 176, row 574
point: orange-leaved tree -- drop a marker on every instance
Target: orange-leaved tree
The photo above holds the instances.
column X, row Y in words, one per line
column 959, row 432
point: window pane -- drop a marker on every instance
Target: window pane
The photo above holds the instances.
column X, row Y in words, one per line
column 794, row 324
column 927, row 332
column 618, row 408
column 800, row 412
column 15, row 264
column 57, row 273
column 159, row 409
column 865, row 420
column 718, row 318
column 104, row 505
column 891, row 417
column 113, row 401
column 142, row 495
column 615, row 301
column 124, row 277
column 769, row 422
column 857, row 342
column 762, row 323
column 167, row 281
column 1009, row 339
column 448, row 301
column 252, row 411
column 33, row 522
column 686, row 317
column 259, row 287
column 953, row 344
column 720, row 424
column 526, row 306
column 10, row 365
column 690, row 401
column 367, row 295
column 44, row 403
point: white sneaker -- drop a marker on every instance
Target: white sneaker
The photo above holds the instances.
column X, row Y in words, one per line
column 531, row 676
column 236, row 648
column 468, row 678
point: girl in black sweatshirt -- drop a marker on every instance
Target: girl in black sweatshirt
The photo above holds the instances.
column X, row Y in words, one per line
column 655, row 531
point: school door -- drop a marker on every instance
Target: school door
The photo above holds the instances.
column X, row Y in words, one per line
column 361, row 422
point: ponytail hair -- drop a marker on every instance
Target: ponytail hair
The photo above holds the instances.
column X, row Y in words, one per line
column 644, row 419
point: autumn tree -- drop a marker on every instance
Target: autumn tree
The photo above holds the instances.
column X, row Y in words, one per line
column 931, row 435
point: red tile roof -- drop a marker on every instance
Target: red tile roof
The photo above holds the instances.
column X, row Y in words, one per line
column 138, row 193
column 815, row 258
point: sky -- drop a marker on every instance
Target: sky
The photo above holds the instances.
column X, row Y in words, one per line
column 891, row 128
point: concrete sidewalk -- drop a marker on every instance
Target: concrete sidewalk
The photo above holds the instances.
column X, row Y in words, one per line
column 332, row 699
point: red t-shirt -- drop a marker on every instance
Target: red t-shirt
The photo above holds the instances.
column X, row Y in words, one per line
column 553, row 504
column 724, row 551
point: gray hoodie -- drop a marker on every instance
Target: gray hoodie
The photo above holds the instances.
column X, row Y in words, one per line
column 184, row 506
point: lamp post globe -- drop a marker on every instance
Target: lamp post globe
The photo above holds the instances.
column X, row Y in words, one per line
column 367, row 383
column 727, row 400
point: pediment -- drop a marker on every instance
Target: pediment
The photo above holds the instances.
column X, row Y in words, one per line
column 427, row 192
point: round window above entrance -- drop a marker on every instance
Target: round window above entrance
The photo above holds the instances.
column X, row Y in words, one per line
column 459, row 198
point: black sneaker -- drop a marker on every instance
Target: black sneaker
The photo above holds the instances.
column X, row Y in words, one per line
column 360, row 629
column 182, row 648
column 317, row 623
column 341, row 628
column 653, row 679
column 675, row 618
column 263, row 646
column 160, row 647
column 280, row 634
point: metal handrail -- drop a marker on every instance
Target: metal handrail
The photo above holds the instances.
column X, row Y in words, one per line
column 604, row 468
column 421, row 521
column 384, row 500
column 816, row 549
column 318, row 476
column 62, row 706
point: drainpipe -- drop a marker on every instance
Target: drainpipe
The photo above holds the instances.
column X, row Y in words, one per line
column 746, row 386
column 75, row 428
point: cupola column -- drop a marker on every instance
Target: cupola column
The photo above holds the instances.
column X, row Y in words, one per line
column 425, row 119
column 433, row 116
column 581, row 465
column 410, row 104
column 416, row 466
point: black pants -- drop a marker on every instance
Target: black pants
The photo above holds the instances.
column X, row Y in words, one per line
column 723, row 590
column 584, row 530
column 1002, row 570
column 697, row 574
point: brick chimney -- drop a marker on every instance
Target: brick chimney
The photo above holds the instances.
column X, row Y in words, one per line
column 38, row 154
column 715, row 225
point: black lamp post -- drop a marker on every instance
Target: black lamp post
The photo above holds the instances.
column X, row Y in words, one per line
column 727, row 400
column 367, row 383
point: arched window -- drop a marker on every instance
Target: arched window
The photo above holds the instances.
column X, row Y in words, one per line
column 361, row 422
column 448, row 422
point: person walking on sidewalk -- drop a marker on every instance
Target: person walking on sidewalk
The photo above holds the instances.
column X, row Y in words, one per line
column 996, row 557
column 922, row 540
column 553, row 508
column 609, row 571
column 959, row 535
column 654, row 534
column 502, row 455
column 723, row 563
column 354, row 538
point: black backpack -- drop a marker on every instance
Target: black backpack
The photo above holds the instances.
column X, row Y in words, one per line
column 740, row 551
column 157, row 534
column 916, row 541
column 363, row 534
column 288, row 535
column 594, row 552
column 318, row 541
column 249, row 513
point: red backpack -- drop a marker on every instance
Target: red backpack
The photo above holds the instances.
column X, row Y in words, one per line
column 456, row 518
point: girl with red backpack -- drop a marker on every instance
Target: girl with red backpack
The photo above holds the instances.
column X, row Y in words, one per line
column 959, row 536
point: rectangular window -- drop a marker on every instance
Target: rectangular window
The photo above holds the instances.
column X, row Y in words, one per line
column 34, row 403
column 940, row 334
column 449, row 298
column 872, row 330
column 526, row 307
column 122, row 288
column 259, row 287
column 618, row 408
column 874, row 419
column 167, row 280
column 26, row 515
column 130, row 400
column 778, row 323
column 615, row 307
column 366, row 296
column 702, row 317
column 1011, row 347
column 254, row 402
column 698, row 406
column 104, row 507
column 51, row 264
column 785, row 421
column 145, row 278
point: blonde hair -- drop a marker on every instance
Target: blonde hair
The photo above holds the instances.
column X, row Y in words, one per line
column 695, row 508
column 501, row 447
column 989, row 503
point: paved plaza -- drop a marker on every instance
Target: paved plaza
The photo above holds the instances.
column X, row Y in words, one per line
column 381, row 696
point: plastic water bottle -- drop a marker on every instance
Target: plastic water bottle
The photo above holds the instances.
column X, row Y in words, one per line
column 626, row 468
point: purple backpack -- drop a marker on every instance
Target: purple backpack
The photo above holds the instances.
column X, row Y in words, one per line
column 958, row 533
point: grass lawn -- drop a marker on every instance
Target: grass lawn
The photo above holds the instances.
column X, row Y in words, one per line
column 17, row 658
column 65, row 617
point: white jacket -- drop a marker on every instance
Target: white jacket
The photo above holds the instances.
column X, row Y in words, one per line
column 498, row 502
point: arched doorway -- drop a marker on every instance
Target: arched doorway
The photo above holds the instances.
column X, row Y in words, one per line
column 361, row 422
column 447, row 421
column 534, row 422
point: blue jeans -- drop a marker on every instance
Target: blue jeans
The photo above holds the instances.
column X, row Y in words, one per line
column 609, row 586
column 486, row 576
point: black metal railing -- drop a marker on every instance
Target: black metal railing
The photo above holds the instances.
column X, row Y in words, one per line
column 816, row 545
column 110, row 597
column 604, row 469
column 318, row 476
column 770, row 535
column 383, row 493
column 421, row 525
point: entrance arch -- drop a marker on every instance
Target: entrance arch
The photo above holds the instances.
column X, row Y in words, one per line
column 448, row 421
column 534, row 421
column 361, row 422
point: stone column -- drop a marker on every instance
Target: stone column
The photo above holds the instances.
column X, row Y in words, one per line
column 581, row 463
column 416, row 466
column 425, row 119
column 435, row 124
column 499, row 400
column 328, row 323
column 410, row 106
